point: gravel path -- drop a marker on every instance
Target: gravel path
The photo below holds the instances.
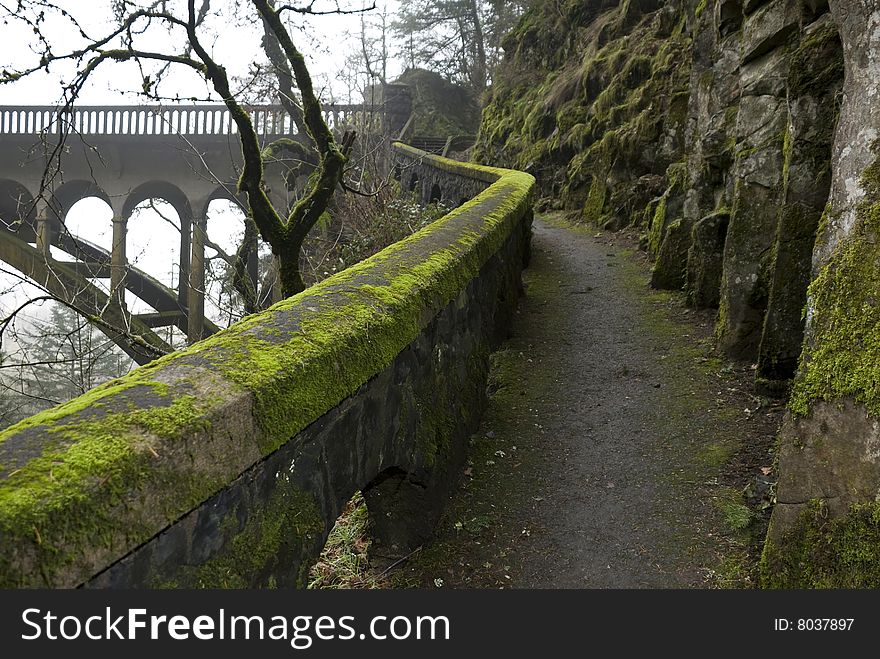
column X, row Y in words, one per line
column 602, row 512
column 611, row 441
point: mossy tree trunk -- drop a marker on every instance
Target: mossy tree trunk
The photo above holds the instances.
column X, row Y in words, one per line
column 284, row 234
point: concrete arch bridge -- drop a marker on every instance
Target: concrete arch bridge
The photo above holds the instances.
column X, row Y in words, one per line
column 187, row 156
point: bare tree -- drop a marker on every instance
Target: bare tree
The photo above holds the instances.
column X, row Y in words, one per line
column 374, row 45
column 317, row 160
column 284, row 230
column 53, row 359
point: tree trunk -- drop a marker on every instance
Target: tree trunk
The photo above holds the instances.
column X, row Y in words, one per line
column 479, row 68
column 288, row 270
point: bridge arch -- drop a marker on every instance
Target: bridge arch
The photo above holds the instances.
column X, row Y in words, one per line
column 89, row 218
column 70, row 192
column 225, row 216
column 16, row 205
column 436, row 194
column 158, row 190
column 224, row 193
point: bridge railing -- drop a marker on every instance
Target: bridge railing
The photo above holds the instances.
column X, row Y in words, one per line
column 172, row 120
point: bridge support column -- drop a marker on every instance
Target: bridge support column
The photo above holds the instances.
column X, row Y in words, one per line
column 183, row 273
column 196, row 294
column 44, row 235
column 118, row 260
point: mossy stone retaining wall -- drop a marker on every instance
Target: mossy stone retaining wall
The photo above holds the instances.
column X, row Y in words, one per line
column 226, row 464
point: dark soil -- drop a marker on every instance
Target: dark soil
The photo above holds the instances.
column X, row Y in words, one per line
column 618, row 450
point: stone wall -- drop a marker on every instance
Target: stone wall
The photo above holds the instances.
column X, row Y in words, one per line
column 227, row 464
column 451, row 184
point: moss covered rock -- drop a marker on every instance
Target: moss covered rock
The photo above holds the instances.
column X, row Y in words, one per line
column 595, row 109
column 829, row 443
column 825, row 551
column 705, row 260
column 440, row 108
column 670, row 268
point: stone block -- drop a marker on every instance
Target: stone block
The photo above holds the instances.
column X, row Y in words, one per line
column 705, row 259
column 670, row 269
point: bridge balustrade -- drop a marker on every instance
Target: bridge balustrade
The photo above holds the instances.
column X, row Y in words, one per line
column 172, row 120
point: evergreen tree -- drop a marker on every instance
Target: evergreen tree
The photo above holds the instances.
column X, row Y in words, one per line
column 56, row 359
column 460, row 39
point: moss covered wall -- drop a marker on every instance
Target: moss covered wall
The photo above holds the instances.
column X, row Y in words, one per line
column 227, row 463
column 829, row 485
column 592, row 99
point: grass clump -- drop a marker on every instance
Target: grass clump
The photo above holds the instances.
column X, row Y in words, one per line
column 345, row 561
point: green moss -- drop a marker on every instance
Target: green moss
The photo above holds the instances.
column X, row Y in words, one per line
column 842, row 356
column 700, row 8
column 370, row 325
column 816, row 65
column 571, row 120
column 655, row 231
column 676, row 175
column 93, row 397
column 737, row 516
column 787, row 150
column 592, row 211
column 819, row 552
column 68, row 496
column 287, row 527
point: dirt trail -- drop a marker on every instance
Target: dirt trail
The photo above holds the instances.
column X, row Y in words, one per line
column 615, row 446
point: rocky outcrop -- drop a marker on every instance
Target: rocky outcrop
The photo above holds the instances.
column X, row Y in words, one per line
column 707, row 125
column 593, row 101
column 825, row 529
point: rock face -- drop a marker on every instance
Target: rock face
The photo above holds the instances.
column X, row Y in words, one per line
column 706, row 124
column 829, row 457
column 742, row 139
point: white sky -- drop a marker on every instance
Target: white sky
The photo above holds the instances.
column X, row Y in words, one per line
column 233, row 41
